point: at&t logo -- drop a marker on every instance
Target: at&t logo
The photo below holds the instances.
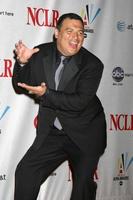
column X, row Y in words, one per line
column 121, row 26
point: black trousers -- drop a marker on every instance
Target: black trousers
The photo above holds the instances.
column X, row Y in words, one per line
column 37, row 165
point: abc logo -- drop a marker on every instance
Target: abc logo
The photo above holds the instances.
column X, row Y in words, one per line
column 118, row 74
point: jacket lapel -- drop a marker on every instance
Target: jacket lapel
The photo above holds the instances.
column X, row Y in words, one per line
column 70, row 69
column 48, row 65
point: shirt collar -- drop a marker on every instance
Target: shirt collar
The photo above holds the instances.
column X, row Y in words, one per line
column 59, row 54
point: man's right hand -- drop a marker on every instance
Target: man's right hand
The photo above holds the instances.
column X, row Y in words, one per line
column 23, row 53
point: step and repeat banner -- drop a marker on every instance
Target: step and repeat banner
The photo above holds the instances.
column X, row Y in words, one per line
column 109, row 35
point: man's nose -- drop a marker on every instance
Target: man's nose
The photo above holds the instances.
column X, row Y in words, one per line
column 75, row 35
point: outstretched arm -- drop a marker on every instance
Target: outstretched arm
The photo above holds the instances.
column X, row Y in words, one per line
column 22, row 66
column 37, row 90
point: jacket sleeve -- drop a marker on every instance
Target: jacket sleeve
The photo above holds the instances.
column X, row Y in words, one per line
column 21, row 74
column 86, row 89
column 24, row 73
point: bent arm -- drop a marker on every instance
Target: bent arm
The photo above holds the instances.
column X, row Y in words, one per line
column 21, row 74
column 86, row 89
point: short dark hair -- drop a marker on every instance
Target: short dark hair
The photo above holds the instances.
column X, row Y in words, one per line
column 69, row 16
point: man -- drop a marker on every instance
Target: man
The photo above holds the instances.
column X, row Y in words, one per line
column 71, row 120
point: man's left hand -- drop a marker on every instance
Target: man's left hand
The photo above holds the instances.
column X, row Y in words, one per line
column 38, row 90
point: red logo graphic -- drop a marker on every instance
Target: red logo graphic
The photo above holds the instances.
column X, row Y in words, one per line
column 42, row 17
column 121, row 122
column 6, row 68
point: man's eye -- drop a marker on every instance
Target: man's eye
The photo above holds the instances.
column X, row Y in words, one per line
column 69, row 31
column 81, row 33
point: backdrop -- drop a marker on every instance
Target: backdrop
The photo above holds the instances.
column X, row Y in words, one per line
column 109, row 35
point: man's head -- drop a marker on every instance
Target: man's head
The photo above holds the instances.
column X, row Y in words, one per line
column 69, row 34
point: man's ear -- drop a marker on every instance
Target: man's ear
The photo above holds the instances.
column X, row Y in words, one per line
column 56, row 31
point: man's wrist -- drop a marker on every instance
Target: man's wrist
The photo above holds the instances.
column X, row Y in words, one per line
column 21, row 62
column 47, row 92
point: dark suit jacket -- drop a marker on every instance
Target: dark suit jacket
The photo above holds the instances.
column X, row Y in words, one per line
column 75, row 103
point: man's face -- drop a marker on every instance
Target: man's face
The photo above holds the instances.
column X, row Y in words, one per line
column 70, row 37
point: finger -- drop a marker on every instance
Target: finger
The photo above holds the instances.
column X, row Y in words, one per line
column 30, row 92
column 18, row 48
column 16, row 44
column 20, row 43
column 43, row 84
column 35, row 50
column 32, row 89
column 22, row 85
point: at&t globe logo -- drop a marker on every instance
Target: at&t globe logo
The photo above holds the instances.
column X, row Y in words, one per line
column 118, row 74
column 121, row 26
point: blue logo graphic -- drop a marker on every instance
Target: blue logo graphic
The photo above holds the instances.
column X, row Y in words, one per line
column 124, row 164
column 90, row 13
column 118, row 74
column 3, row 113
column 121, row 26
